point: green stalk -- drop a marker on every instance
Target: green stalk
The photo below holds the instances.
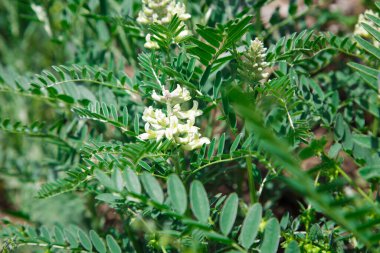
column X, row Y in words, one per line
column 251, row 182
column 131, row 236
column 354, row 185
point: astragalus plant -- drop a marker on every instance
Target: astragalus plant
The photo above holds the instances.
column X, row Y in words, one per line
column 194, row 126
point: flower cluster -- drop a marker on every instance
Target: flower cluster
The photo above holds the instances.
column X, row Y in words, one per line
column 176, row 124
column 359, row 30
column 162, row 12
column 252, row 66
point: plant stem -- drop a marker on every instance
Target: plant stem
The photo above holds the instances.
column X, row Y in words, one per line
column 177, row 162
column 375, row 126
column 236, row 246
column 131, row 236
column 251, row 182
column 353, row 183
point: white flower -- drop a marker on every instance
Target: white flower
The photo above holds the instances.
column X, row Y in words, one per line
column 152, row 134
column 142, row 19
column 190, row 114
column 43, row 17
column 176, row 125
column 359, row 30
column 196, row 143
column 155, row 117
column 162, row 12
column 179, row 95
column 150, row 43
column 182, row 35
column 180, row 10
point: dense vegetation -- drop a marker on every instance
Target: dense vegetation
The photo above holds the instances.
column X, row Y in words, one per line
column 195, row 126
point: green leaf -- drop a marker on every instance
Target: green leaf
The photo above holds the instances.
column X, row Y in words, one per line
column 370, row 172
column 125, row 116
column 132, row 182
column 45, row 234
column 375, row 33
column 205, row 33
column 339, row 127
column 204, row 46
column 369, row 80
column 145, row 165
column 205, row 76
column 190, row 67
column 293, row 247
column 31, row 232
column 84, row 240
column 347, row 141
column 218, row 237
column 117, row 178
column 114, row 113
column 221, row 144
column 203, row 56
column 374, row 18
column 228, row 214
column 364, row 69
column 71, row 239
column 367, row 141
column 235, row 143
column 293, row 6
column 211, row 149
column 250, row 226
column 217, row 84
column 136, row 124
column 105, row 110
column 104, row 179
column 97, row 242
column 112, row 244
column 271, row 236
column 107, row 197
column 177, row 193
column 58, row 233
column 368, row 47
column 199, row 202
column 334, row 150
column 308, row 2
column 152, row 187
column 66, row 98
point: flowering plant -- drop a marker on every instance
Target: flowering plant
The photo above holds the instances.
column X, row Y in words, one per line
column 189, row 126
column 185, row 134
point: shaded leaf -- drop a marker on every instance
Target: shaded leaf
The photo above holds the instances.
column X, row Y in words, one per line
column 199, row 202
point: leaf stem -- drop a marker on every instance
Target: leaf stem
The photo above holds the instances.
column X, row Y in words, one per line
column 236, row 246
column 251, row 182
column 352, row 182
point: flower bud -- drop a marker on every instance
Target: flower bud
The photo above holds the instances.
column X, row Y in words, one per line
column 252, row 65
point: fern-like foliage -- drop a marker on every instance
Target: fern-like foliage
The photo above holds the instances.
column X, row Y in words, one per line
column 122, row 185
column 293, row 150
column 167, row 35
column 57, row 133
column 309, row 51
column 370, row 73
column 103, row 113
column 218, row 41
column 68, row 238
column 59, row 84
column 348, row 215
column 105, row 156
